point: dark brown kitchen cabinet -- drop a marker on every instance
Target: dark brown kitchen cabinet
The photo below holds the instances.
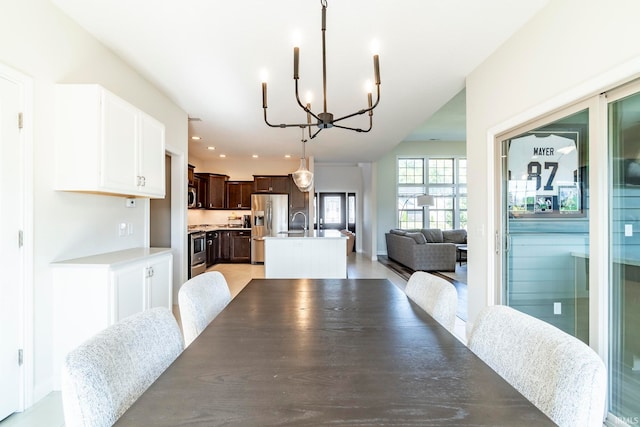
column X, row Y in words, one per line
column 240, row 246
column 298, row 200
column 213, row 247
column 239, row 194
column 271, row 183
column 214, row 193
column 201, row 186
column 235, row 246
column 191, row 177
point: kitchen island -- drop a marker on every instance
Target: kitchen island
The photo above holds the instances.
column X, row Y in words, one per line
column 312, row 254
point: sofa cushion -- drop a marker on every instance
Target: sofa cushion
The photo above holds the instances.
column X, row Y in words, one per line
column 433, row 235
column 455, row 236
column 418, row 237
column 397, row 231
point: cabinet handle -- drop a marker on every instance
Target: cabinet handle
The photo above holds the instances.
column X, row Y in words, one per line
column 144, row 181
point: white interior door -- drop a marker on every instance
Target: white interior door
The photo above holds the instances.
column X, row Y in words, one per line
column 11, row 193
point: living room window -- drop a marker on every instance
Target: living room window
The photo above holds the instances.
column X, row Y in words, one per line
column 443, row 178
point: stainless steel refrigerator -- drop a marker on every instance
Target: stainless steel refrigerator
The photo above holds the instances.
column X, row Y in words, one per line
column 269, row 216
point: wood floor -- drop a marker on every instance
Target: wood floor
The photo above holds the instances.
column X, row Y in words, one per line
column 48, row 411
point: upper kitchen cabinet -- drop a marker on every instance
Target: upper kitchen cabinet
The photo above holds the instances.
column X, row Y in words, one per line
column 298, row 200
column 239, row 194
column 271, row 183
column 214, row 190
column 103, row 144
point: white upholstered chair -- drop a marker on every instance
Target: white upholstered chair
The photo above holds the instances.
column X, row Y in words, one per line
column 201, row 299
column 558, row 373
column 102, row 377
column 434, row 295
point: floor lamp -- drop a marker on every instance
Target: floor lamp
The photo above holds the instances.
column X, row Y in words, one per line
column 426, row 200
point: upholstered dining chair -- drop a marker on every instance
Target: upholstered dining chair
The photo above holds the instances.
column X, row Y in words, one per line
column 104, row 376
column 557, row 372
column 201, row 299
column 434, row 295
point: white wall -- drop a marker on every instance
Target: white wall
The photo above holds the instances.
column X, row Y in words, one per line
column 571, row 49
column 38, row 40
column 387, row 180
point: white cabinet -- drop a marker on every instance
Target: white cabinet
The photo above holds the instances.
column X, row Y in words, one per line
column 94, row 292
column 104, row 144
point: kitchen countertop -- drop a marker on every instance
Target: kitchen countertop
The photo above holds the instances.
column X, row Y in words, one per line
column 308, row 234
column 214, row 227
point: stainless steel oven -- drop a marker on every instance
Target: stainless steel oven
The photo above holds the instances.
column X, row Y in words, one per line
column 197, row 253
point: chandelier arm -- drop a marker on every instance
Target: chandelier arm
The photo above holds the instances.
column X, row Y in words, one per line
column 356, row 129
column 315, row 134
column 369, row 110
column 307, row 110
column 284, row 125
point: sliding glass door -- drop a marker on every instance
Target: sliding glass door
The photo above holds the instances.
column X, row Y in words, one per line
column 624, row 260
column 545, row 191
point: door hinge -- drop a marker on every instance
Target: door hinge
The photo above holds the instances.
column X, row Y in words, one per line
column 19, row 120
column 20, row 357
column 20, row 238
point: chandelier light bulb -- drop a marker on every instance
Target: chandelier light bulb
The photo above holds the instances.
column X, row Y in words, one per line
column 309, row 97
column 375, row 47
column 368, row 86
column 264, row 75
column 295, row 38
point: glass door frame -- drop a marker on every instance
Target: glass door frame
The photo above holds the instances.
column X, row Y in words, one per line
column 597, row 214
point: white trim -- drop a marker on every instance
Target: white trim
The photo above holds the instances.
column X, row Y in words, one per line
column 25, row 323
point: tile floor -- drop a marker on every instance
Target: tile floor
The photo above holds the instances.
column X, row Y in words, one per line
column 48, row 411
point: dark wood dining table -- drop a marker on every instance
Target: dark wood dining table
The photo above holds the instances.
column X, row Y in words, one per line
column 334, row 351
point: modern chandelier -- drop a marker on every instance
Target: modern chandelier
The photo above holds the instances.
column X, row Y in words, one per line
column 324, row 119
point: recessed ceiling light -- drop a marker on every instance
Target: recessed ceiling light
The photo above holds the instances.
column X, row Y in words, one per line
column 287, row 156
column 255, row 156
column 195, row 138
column 223, row 155
column 211, row 148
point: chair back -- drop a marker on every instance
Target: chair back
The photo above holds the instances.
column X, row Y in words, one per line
column 102, row 377
column 558, row 373
column 434, row 295
column 201, row 299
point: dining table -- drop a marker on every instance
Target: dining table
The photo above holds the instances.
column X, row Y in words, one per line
column 354, row 352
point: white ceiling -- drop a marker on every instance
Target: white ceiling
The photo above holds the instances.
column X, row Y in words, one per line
column 207, row 55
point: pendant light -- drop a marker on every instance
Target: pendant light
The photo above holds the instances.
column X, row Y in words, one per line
column 303, row 178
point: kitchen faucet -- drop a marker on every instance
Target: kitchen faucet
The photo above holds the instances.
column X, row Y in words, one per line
column 305, row 218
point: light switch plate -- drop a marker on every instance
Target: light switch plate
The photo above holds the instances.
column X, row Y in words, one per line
column 628, row 230
column 557, row 308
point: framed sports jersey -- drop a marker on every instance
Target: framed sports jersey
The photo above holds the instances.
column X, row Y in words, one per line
column 544, row 175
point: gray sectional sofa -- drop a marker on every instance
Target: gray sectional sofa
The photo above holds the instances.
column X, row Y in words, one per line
column 426, row 249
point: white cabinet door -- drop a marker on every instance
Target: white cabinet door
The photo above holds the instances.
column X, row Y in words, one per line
column 128, row 290
column 103, row 144
column 151, row 154
column 159, row 290
column 118, row 145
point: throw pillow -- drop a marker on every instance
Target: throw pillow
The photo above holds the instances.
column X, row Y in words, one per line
column 433, row 235
column 398, row 232
column 418, row 237
column 455, row 236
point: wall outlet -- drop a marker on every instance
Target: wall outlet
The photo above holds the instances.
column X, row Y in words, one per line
column 129, row 228
column 557, row 308
column 628, row 230
column 130, row 203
